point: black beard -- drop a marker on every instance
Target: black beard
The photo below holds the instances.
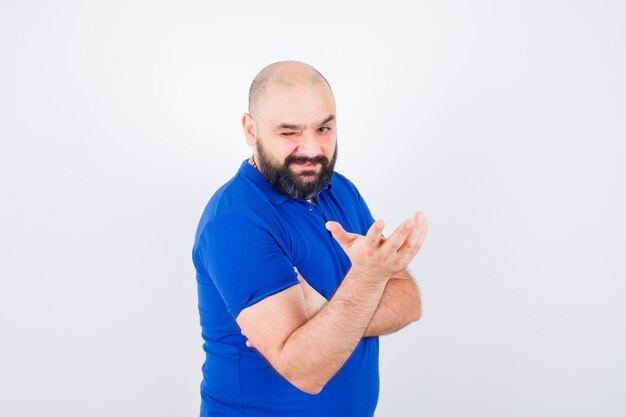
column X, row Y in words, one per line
column 287, row 183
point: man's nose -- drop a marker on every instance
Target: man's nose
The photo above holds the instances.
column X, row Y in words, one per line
column 309, row 144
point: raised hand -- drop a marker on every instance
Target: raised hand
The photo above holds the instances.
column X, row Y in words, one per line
column 376, row 258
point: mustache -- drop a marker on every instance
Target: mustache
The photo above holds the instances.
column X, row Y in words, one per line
column 320, row 159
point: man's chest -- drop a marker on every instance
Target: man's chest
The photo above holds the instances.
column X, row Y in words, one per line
column 311, row 247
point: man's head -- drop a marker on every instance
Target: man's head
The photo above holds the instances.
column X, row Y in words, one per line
column 291, row 125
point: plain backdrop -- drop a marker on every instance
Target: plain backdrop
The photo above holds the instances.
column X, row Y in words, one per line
column 504, row 121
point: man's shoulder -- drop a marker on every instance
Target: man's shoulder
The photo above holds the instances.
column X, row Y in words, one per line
column 343, row 186
column 226, row 197
column 237, row 197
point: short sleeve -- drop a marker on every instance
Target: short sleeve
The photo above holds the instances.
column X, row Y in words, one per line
column 244, row 261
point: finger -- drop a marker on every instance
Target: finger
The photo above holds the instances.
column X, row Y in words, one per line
column 297, row 273
column 419, row 218
column 301, row 279
column 373, row 237
column 341, row 236
column 413, row 243
column 397, row 238
column 413, row 238
column 420, row 242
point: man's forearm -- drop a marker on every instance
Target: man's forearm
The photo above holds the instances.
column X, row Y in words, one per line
column 320, row 347
column 399, row 306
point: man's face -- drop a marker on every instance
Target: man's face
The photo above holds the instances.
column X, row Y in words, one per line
column 296, row 145
column 303, row 184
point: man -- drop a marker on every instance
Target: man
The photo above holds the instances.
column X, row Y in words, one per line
column 295, row 280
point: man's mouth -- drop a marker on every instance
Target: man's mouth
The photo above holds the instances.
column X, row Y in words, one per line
column 306, row 164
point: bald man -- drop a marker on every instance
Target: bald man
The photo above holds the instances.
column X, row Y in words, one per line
column 295, row 278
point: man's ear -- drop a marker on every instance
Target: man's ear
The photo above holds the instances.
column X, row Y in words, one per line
column 249, row 128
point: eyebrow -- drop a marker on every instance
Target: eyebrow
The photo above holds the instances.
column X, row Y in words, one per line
column 300, row 127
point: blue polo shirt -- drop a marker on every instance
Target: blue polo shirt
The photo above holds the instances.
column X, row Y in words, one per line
column 247, row 243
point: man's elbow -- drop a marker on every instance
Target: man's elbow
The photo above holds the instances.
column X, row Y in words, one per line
column 310, row 384
column 306, row 385
column 418, row 316
column 416, row 313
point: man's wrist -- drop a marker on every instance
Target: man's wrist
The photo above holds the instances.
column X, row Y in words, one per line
column 367, row 279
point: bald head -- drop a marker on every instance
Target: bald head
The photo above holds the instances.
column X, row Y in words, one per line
column 285, row 74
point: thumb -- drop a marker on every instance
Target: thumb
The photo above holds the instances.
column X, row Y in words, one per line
column 341, row 236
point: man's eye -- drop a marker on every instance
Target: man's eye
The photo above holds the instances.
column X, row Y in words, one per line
column 324, row 129
column 287, row 133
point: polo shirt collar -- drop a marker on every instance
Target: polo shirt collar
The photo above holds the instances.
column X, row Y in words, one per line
column 248, row 171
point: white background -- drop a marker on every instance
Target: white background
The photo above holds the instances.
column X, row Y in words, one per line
column 504, row 121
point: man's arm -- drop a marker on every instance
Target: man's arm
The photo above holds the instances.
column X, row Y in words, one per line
column 399, row 306
column 400, row 303
column 309, row 352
